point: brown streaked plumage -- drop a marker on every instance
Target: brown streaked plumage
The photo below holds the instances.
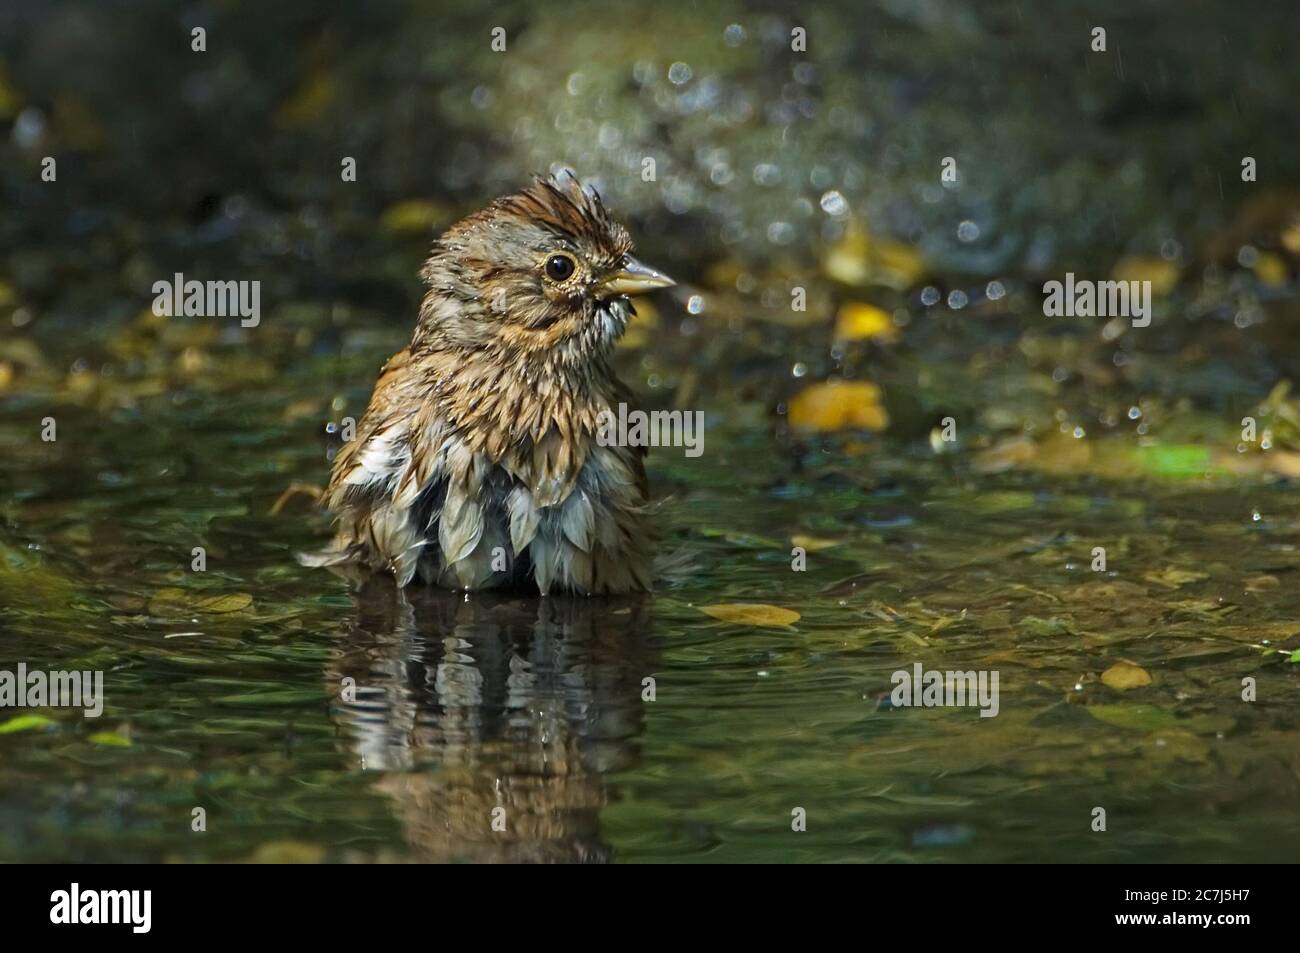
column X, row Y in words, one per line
column 476, row 464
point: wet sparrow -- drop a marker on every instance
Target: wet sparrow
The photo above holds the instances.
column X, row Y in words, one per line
column 476, row 464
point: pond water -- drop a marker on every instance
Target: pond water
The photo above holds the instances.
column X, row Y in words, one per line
column 862, row 230
column 224, row 689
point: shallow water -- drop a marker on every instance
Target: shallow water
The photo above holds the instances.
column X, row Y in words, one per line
column 311, row 722
column 467, row 704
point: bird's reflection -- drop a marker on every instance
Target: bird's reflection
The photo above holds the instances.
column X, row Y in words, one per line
column 493, row 719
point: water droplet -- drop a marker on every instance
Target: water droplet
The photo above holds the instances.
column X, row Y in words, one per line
column 780, row 233
column 695, row 304
column 957, row 299
column 930, row 296
column 1134, row 412
column 799, row 369
column 833, row 203
column 734, row 35
column 995, row 291
column 968, row 231
column 679, row 73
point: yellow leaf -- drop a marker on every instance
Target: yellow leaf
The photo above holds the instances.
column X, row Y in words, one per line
column 109, row 739
column 839, row 405
column 861, row 322
column 287, row 852
column 860, row 259
column 1125, row 675
column 169, row 601
column 414, row 215
column 813, row 543
column 640, row 328
column 1162, row 274
column 312, row 97
column 1173, row 578
column 234, row 602
column 747, row 613
column 1291, row 239
column 10, row 99
column 173, row 601
column 1270, row 269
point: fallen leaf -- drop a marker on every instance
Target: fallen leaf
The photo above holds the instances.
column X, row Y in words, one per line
column 862, row 322
column 288, row 852
column 173, row 601
column 1135, row 717
column 24, row 723
column 839, row 405
column 414, row 216
column 1125, row 675
column 861, row 259
column 110, row 739
column 1162, row 274
column 1270, row 269
column 748, row 613
column 1009, row 453
column 1172, row 578
column 813, row 543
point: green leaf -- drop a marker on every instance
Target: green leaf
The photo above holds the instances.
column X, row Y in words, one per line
column 110, row 738
column 1134, row 717
column 25, row 723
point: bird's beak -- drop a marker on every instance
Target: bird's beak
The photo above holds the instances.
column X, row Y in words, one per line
column 633, row 278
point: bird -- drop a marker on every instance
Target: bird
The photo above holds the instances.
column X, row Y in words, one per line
column 480, row 461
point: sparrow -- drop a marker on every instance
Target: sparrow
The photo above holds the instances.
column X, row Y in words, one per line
column 477, row 464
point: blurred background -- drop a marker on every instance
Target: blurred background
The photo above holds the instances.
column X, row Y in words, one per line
column 773, row 169
column 778, row 176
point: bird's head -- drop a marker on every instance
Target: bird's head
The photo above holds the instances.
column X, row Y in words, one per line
column 545, row 271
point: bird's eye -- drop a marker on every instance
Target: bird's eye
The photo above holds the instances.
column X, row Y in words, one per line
column 559, row 267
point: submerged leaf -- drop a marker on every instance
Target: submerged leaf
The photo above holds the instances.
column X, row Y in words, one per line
column 1125, row 675
column 233, row 602
column 1173, row 577
column 174, row 601
column 813, row 543
column 1134, row 717
column 110, row 739
column 748, row 613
